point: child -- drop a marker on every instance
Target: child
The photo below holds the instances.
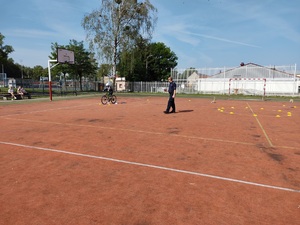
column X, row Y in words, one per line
column 11, row 92
column 21, row 91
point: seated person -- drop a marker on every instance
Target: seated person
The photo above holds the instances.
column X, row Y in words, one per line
column 11, row 92
column 21, row 91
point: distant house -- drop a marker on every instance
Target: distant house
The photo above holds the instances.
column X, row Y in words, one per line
column 194, row 77
column 120, row 84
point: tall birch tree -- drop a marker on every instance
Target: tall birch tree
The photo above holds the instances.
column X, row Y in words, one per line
column 116, row 26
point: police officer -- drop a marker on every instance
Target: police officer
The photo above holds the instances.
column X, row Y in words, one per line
column 172, row 94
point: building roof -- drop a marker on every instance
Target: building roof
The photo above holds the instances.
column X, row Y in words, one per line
column 252, row 70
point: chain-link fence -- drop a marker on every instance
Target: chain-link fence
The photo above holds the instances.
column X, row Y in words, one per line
column 250, row 79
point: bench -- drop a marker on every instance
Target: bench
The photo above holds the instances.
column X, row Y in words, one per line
column 8, row 96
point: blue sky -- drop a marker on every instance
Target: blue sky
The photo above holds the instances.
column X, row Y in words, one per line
column 202, row 33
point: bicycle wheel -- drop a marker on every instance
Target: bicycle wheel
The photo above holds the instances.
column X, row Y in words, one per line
column 104, row 100
column 113, row 99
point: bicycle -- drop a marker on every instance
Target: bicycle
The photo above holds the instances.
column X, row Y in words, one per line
column 107, row 98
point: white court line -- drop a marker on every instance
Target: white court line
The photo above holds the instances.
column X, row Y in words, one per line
column 153, row 166
column 44, row 110
column 146, row 132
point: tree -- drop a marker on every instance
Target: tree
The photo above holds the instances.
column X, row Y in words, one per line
column 115, row 27
column 161, row 62
column 151, row 62
column 37, row 72
column 84, row 66
column 5, row 50
column 7, row 64
column 103, row 71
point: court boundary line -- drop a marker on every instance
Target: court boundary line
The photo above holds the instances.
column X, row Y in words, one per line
column 154, row 167
column 149, row 132
column 41, row 111
column 261, row 127
column 136, row 131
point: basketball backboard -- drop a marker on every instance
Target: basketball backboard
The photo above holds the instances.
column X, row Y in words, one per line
column 65, row 56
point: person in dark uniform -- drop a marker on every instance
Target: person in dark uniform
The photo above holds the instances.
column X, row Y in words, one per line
column 172, row 94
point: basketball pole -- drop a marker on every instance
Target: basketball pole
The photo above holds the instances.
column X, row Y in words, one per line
column 49, row 73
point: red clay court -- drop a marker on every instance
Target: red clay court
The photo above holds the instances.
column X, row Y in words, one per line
column 78, row 162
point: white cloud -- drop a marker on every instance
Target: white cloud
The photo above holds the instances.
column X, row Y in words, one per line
column 222, row 39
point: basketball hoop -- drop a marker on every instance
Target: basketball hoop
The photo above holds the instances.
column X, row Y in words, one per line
column 65, row 56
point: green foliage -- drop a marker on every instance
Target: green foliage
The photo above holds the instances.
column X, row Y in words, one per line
column 85, row 65
column 7, row 63
column 148, row 62
column 104, row 70
column 5, row 50
column 187, row 73
column 116, row 27
column 38, row 71
column 163, row 61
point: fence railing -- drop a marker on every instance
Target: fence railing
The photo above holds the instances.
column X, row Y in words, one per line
column 247, row 80
column 261, row 87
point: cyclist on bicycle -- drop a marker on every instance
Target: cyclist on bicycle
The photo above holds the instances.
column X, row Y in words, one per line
column 109, row 89
column 109, row 97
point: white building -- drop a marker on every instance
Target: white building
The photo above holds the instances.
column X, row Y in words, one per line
column 247, row 79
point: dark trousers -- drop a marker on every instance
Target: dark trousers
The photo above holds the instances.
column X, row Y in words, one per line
column 171, row 103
